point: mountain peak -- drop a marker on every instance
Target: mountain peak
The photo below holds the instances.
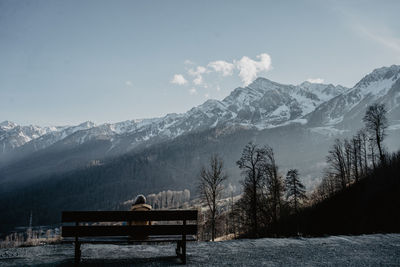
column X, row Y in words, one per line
column 305, row 83
column 262, row 82
column 393, row 69
column 8, row 125
column 87, row 124
column 261, row 79
column 308, row 85
column 383, row 73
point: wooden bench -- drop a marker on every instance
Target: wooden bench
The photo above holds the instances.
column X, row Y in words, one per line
column 88, row 227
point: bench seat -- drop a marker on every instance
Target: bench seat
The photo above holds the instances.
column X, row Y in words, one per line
column 127, row 240
column 93, row 227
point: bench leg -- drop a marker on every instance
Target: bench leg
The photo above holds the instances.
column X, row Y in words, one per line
column 183, row 252
column 183, row 244
column 178, row 249
column 77, row 252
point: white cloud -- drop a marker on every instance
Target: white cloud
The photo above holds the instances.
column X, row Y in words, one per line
column 207, row 96
column 193, row 91
column 129, row 83
column 224, row 67
column 248, row 68
column 178, row 79
column 218, row 88
column 198, row 80
column 315, row 80
column 188, row 62
column 197, row 73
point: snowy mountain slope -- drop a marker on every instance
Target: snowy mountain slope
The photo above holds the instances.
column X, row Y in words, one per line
column 266, row 104
column 13, row 135
column 346, row 110
column 263, row 104
column 50, row 138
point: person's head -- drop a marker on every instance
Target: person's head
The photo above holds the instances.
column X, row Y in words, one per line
column 140, row 199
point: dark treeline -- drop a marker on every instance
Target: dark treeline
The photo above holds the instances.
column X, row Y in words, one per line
column 358, row 193
column 349, row 160
column 369, row 206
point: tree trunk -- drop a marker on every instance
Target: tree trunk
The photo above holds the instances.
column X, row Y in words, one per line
column 213, row 217
column 378, row 142
column 255, row 226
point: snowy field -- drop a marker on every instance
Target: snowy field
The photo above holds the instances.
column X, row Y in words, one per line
column 367, row 250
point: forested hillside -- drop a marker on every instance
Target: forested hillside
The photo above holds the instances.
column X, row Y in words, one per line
column 173, row 165
column 370, row 206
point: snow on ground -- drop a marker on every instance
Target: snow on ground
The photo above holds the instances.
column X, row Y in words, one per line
column 365, row 250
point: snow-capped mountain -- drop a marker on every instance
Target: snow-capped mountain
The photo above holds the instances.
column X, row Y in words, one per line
column 50, row 138
column 263, row 104
column 347, row 109
column 266, row 104
column 13, row 135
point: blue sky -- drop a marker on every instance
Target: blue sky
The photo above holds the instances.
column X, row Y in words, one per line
column 65, row 62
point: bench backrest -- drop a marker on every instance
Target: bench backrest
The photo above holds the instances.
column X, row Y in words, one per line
column 79, row 217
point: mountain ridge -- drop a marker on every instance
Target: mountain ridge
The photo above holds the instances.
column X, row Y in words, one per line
column 262, row 105
column 235, row 109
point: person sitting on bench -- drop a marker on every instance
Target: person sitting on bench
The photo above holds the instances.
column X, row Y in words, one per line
column 140, row 205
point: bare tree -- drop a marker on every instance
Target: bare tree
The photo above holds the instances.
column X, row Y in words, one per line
column 376, row 123
column 356, row 156
column 211, row 186
column 347, row 159
column 252, row 164
column 295, row 190
column 336, row 160
column 329, row 185
column 372, row 155
column 274, row 184
column 363, row 137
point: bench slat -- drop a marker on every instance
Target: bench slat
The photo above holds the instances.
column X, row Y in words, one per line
column 71, row 231
column 128, row 240
column 117, row 216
